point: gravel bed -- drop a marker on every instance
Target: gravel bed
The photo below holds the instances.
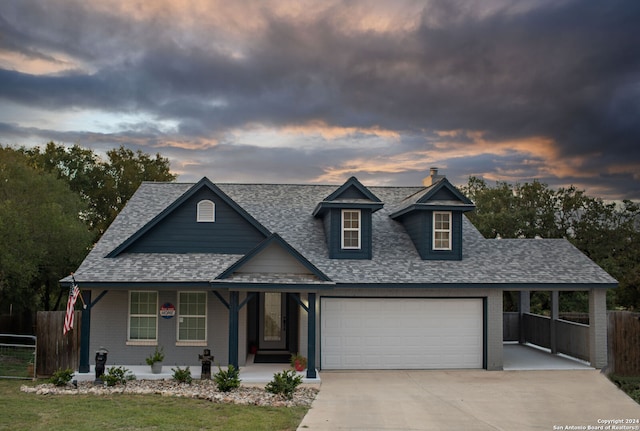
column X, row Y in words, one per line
column 199, row 389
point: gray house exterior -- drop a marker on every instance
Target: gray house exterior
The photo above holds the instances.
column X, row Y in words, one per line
column 353, row 277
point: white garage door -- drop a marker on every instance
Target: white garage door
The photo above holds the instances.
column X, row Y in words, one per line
column 375, row 333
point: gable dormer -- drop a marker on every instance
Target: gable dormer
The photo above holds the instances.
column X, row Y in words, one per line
column 274, row 259
column 433, row 218
column 346, row 214
column 203, row 220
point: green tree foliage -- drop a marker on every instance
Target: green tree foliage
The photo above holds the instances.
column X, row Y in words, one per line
column 606, row 232
column 105, row 185
column 41, row 234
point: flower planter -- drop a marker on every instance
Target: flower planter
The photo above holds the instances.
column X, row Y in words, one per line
column 156, row 367
column 298, row 365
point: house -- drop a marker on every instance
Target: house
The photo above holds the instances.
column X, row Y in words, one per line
column 353, row 277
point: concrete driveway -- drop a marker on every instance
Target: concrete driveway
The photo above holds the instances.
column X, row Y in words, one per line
column 468, row 400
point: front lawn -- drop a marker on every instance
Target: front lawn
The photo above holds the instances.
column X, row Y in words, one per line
column 630, row 385
column 24, row 411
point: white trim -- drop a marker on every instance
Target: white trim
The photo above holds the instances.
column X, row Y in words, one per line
column 344, row 229
column 141, row 341
column 196, row 342
column 191, row 344
column 448, row 231
column 206, row 211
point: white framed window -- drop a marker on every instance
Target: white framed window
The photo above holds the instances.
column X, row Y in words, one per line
column 441, row 230
column 206, row 211
column 192, row 317
column 351, row 229
column 143, row 317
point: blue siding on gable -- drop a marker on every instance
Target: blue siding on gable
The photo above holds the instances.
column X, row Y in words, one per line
column 333, row 231
column 419, row 226
column 444, row 194
column 352, row 193
column 179, row 232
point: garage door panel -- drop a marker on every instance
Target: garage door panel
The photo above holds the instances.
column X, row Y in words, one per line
column 368, row 333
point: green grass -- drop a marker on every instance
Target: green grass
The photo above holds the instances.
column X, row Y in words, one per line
column 14, row 361
column 22, row 411
column 630, row 385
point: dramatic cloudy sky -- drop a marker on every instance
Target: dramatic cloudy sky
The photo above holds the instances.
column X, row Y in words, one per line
column 317, row 91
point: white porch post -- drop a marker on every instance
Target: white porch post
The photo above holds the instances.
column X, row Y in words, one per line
column 598, row 327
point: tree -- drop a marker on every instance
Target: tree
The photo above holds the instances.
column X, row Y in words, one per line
column 606, row 232
column 41, row 234
column 106, row 186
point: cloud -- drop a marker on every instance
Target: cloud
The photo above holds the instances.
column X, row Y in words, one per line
column 504, row 89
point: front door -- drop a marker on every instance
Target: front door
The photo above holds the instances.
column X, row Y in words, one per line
column 273, row 321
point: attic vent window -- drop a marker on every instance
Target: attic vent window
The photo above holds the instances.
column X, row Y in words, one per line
column 206, row 211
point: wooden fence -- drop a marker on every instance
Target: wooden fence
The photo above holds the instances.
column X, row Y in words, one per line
column 624, row 343
column 55, row 350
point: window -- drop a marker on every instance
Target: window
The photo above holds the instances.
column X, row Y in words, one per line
column 192, row 316
column 143, row 316
column 206, row 211
column 442, row 231
column 351, row 229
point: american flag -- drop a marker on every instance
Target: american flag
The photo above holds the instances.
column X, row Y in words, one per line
column 73, row 297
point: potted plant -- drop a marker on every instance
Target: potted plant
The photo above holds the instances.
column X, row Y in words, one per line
column 298, row 362
column 155, row 360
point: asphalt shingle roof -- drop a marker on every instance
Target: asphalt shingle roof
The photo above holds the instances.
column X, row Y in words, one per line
column 288, row 210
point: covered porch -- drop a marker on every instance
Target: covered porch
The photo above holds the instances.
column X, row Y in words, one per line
column 251, row 373
column 586, row 342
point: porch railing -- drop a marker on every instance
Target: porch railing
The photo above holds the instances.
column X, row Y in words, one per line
column 571, row 338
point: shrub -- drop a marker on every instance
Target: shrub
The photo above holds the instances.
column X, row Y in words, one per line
column 62, row 377
column 182, row 376
column 284, row 383
column 117, row 376
column 227, row 380
column 157, row 356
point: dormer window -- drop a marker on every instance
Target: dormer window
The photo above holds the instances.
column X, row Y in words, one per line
column 433, row 218
column 442, row 230
column 351, row 233
column 206, row 211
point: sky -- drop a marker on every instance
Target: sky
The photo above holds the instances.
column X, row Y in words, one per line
column 317, row 91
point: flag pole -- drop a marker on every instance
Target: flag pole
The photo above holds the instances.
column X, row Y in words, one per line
column 84, row 306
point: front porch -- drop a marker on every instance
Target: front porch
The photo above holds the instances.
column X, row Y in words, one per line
column 250, row 373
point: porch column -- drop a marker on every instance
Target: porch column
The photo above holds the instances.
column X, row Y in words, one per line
column 598, row 327
column 555, row 312
column 234, row 309
column 85, row 336
column 311, row 336
column 524, row 306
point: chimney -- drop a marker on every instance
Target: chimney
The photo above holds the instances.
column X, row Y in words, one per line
column 432, row 178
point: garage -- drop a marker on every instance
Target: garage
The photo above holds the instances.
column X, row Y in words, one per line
column 401, row 333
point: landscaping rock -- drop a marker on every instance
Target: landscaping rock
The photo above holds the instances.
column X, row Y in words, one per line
column 204, row 390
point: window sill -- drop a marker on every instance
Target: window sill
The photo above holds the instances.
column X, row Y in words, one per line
column 142, row 342
column 191, row 344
